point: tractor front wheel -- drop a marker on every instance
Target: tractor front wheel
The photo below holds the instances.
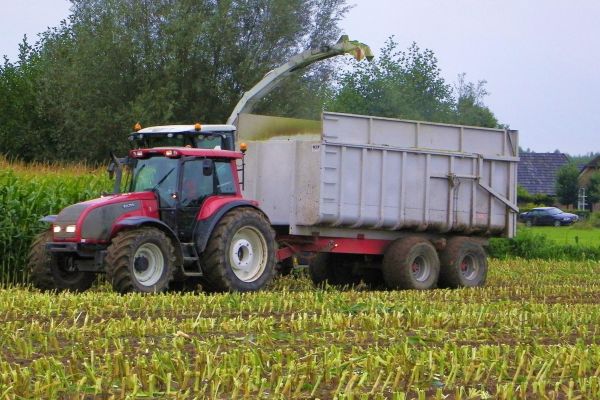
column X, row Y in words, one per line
column 55, row 272
column 240, row 254
column 140, row 260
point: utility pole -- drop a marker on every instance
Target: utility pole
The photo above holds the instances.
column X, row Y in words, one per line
column 581, row 203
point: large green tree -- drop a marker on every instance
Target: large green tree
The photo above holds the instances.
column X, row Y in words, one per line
column 593, row 188
column 21, row 119
column 470, row 109
column 567, row 188
column 115, row 62
column 409, row 84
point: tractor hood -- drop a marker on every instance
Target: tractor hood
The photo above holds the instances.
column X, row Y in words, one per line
column 93, row 220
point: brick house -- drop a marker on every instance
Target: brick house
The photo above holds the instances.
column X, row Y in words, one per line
column 586, row 173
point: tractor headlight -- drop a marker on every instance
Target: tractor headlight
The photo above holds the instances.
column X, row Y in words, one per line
column 57, row 229
column 70, row 229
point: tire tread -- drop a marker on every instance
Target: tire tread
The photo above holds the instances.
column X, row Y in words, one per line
column 119, row 254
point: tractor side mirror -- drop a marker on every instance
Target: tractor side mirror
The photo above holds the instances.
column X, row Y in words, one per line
column 208, row 167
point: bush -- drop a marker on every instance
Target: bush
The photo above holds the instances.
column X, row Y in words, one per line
column 533, row 200
column 530, row 245
column 588, row 220
column 582, row 214
column 594, row 219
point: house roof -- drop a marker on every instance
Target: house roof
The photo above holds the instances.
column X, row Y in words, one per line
column 595, row 163
column 537, row 171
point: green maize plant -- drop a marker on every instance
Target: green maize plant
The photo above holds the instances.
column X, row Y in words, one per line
column 28, row 193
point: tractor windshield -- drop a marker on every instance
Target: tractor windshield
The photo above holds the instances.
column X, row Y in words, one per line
column 157, row 174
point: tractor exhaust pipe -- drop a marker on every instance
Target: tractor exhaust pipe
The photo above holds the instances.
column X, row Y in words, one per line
column 115, row 170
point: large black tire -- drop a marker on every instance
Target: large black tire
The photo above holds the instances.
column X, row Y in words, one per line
column 240, row 254
column 463, row 264
column 334, row 269
column 140, row 260
column 50, row 272
column 410, row 263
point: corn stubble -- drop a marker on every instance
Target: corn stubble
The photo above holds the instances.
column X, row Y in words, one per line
column 533, row 332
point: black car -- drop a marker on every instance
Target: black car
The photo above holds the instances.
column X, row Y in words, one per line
column 547, row 216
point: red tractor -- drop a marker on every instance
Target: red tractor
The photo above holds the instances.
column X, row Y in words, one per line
column 182, row 221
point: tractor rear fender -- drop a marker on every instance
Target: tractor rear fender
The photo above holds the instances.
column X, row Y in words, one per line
column 205, row 226
column 141, row 221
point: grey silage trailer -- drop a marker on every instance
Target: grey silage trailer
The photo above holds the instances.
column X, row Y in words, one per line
column 364, row 189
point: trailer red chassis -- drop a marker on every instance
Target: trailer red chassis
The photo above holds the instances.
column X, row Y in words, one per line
column 292, row 244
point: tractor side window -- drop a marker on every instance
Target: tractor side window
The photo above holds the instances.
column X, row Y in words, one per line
column 225, row 183
column 196, row 186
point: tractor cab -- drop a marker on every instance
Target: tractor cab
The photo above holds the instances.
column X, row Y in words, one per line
column 218, row 137
column 182, row 179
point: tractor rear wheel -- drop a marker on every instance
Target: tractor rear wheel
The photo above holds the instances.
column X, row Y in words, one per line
column 55, row 272
column 463, row 264
column 410, row 263
column 140, row 260
column 240, row 254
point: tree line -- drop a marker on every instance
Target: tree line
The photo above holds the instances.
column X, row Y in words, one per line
column 76, row 92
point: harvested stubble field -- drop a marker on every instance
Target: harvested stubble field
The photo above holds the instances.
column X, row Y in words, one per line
column 533, row 332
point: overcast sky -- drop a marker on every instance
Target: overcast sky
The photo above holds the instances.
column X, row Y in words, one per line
column 541, row 58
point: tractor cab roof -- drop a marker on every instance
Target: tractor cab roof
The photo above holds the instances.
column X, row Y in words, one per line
column 187, row 129
column 201, row 136
column 169, row 131
column 176, row 152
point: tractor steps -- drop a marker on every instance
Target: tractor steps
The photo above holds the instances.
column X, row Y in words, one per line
column 190, row 260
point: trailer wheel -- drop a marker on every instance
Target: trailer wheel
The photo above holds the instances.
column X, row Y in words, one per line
column 240, row 254
column 140, row 260
column 410, row 263
column 463, row 264
column 334, row 269
column 51, row 272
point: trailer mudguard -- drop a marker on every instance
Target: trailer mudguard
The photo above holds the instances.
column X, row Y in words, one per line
column 135, row 222
column 204, row 227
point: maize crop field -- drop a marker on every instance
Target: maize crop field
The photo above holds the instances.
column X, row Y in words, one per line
column 532, row 332
column 29, row 192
